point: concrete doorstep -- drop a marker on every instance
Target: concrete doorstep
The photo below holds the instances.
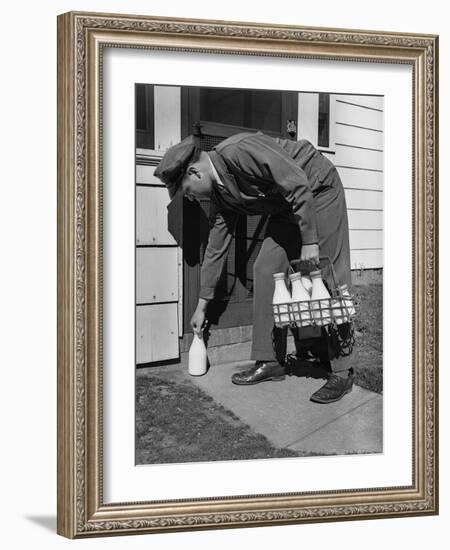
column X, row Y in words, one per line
column 283, row 413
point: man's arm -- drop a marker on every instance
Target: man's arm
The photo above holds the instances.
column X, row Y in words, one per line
column 214, row 260
column 220, row 236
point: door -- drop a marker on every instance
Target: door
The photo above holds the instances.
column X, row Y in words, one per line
column 217, row 113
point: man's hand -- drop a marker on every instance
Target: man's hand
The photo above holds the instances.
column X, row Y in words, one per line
column 310, row 253
column 198, row 319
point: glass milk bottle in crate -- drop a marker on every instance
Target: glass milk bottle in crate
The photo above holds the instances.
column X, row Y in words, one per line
column 348, row 300
column 281, row 300
column 300, row 301
column 343, row 307
column 347, row 307
column 307, row 283
column 320, row 299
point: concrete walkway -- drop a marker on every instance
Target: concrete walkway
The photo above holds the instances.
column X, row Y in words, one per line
column 282, row 411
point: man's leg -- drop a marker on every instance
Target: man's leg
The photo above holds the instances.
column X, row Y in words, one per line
column 340, row 381
column 271, row 259
column 281, row 244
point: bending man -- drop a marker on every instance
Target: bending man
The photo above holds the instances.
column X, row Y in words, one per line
column 301, row 191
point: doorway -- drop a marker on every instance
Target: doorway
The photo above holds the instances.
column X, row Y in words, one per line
column 215, row 114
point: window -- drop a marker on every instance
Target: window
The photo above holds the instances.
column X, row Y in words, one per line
column 324, row 120
column 144, row 101
column 259, row 109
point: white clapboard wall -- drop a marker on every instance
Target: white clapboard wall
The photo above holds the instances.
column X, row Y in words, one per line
column 158, row 258
column 356, row 148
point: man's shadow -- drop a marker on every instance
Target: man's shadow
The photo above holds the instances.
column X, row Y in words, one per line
column 189, row 224
column 305, row 361
column 306, row 368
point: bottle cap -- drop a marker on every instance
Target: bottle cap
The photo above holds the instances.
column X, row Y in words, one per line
column 278, row 275
column 316, row 273
column 295, row 276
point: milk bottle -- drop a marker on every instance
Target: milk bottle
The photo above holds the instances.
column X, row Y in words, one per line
column 198, row 358
column 306, row 282
column 281, row 295
column 348, row 302
column 321, row 312
column 300, row 311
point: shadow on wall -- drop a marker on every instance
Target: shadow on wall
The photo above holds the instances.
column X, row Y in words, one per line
column 187, row 222
column 191, row 234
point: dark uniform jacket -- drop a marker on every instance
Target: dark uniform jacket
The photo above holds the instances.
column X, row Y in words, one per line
column 262, row 175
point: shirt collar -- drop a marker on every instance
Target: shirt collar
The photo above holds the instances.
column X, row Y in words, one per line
column 216, row 175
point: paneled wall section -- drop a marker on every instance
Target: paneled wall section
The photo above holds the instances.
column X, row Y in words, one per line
column 158, row 257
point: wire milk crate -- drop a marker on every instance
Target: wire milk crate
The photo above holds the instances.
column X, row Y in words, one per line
column 340, row 308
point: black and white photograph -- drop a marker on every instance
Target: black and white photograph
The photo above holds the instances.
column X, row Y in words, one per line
column 258, row 274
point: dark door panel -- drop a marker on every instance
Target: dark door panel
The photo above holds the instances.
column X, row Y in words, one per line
column 233, row 307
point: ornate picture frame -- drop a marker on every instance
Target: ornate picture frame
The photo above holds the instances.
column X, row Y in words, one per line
column 82, row 38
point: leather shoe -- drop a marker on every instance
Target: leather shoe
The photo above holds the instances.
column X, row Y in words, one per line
column 260, row 372
column 334, row 389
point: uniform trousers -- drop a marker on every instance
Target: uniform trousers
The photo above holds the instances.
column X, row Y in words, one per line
column 282, row 244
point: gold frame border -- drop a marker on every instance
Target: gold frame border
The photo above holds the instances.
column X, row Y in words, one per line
column 81, row 37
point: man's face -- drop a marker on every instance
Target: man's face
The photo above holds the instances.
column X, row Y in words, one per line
column 196, row 183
